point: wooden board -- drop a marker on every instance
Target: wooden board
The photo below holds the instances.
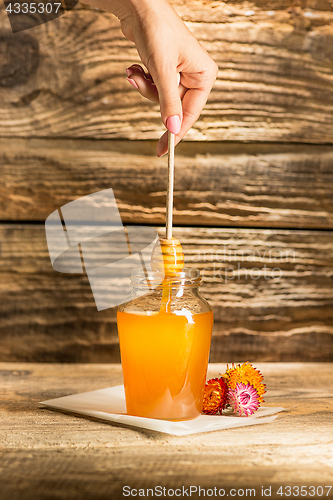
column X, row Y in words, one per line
column 67, row 78
column 270, row 185
column 47, row 454
column 271, row 292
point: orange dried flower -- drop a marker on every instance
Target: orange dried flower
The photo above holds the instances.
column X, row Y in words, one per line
column 215, row 396
column 246, row 374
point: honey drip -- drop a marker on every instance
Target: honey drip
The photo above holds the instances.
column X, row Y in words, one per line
column 171, row 260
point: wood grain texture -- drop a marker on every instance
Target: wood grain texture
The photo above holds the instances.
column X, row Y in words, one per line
column 265, row 185
column 47, row 454
column 274, row 83
column 271, row 292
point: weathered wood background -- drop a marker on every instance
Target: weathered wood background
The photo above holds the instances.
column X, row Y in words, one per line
column 254, row 179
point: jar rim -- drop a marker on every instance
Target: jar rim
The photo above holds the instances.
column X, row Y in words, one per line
column 188, row 277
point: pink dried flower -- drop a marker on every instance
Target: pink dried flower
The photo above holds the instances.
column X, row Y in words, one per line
column 244, row 399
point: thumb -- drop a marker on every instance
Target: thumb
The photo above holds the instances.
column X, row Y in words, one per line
column 170, row 102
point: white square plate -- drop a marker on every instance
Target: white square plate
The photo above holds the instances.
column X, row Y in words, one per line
column 109, row 404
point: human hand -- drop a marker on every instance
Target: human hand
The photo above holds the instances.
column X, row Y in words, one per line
column 167, row 48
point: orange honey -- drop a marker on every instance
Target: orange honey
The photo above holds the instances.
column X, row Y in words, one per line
column 164, row 359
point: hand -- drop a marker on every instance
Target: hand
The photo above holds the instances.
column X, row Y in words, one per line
column 166, row 48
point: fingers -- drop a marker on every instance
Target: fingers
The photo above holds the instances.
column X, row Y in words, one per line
column 137, row 69
column 163, row 90
column 200, row 85
column 193, row 103
column 162, row 145
column 166, row 80
column 181, row 110
column 142, row 82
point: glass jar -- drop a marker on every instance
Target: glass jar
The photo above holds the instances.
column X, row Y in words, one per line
column 164, row 333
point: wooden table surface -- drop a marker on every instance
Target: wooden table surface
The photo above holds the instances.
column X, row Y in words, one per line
column 47, row 454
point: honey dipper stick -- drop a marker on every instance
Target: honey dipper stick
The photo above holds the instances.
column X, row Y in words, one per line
column 171, row 175
column 168, row 254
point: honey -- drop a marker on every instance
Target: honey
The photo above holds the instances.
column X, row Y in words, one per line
column 164, row 338
column 164, row 360
column 168, row 256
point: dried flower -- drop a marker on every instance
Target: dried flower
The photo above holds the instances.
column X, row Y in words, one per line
column 241, row 388
column 246, row 374
column 244, row 399
column 215, row 396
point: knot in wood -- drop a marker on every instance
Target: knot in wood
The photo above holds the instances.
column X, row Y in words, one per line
column 19, row 58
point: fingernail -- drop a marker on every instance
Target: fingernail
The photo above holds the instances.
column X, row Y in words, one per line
column 133, row 83
column 129, row 72
column 173, row 124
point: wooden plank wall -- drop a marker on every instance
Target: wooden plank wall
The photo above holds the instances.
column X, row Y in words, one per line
column 254, row 179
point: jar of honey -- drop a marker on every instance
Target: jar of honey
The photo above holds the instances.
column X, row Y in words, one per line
column 164, row 333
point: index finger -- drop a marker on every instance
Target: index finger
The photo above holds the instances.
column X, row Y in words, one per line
column 193, row 102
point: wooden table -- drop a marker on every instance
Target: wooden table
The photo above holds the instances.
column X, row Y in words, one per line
column 47, row 454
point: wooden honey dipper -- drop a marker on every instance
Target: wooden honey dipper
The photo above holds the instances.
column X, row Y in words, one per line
column 171, row 256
